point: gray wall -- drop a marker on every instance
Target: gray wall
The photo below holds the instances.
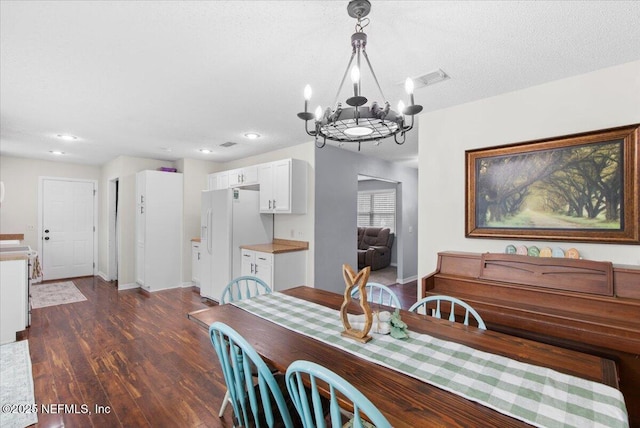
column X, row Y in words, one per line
column 336, row 210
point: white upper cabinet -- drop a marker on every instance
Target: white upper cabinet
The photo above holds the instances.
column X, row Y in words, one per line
column 283, row 187
column 247, row 176
column 218, row 180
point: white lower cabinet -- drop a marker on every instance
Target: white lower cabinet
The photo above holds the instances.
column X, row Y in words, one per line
column 279, row 271
column 14, row 302
column 195, row 263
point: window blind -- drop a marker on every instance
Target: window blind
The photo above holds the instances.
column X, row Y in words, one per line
column 377, row 209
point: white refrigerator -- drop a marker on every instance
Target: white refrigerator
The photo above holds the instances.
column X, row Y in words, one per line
column 230, row 218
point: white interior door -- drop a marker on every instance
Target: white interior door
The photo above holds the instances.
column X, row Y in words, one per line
column 67, row 228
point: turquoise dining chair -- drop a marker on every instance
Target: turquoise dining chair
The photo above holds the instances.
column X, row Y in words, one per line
column 380, row 294
column 256, row 395
column 302, row 380
column 453, row 301
column 243, row 287
column 240, row 288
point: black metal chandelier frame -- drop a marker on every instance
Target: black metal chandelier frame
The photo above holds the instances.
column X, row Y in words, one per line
column 359, row 123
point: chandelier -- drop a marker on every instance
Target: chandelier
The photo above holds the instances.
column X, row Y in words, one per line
column 358, row 123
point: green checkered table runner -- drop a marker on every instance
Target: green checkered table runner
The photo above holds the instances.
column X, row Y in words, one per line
column 533, row 394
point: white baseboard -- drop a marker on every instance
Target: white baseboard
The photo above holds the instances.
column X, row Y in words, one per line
column 129, row 286
column 103, row 276
column 188, row 284
column 406, row 280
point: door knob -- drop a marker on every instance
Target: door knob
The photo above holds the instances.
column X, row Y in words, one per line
column 46, row 238
column 46, row 231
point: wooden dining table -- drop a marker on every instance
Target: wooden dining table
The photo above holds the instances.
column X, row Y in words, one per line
column 404, row 400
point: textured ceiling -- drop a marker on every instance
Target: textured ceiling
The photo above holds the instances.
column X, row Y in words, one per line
column 139, row 78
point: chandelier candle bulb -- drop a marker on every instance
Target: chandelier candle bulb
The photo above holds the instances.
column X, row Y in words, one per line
column 307, row 97
column 400, row 108
column 318, row 113
column 355, row 78
column 408, row 86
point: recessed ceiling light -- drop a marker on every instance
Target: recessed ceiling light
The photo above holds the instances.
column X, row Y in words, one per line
column 252, row 135
column 56, row 152
column 205, row 150
column 67, row 137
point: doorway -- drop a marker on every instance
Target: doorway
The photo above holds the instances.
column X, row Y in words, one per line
column 67, row 227
column 378, row 206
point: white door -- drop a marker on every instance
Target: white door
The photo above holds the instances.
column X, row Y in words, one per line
column 67, row 228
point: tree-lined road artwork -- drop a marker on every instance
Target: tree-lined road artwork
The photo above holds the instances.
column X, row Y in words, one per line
column 577, row 187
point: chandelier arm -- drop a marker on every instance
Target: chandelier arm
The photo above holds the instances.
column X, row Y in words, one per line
column 344, row 77
column 324, row 142
column 373, row 73
column 404, row 137
column 409, row 128
column 306, row 128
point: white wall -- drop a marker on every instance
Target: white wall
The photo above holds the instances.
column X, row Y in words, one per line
column 598, row 100
column 19, row 211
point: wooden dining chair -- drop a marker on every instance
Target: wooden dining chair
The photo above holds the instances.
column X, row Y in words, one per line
column 304, row 380
column 436, row 312
column 243, row 287
column 256, row 396
column 240, row 288
column 380, row 294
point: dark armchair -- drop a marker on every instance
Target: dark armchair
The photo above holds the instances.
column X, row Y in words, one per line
column 374, row 247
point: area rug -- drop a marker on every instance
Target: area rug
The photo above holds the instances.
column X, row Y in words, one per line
column 16, row 386
column 56, row 293
column 386, row 276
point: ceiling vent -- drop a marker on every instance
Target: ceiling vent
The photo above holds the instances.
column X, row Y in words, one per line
column 228, row 144
column 431, row 78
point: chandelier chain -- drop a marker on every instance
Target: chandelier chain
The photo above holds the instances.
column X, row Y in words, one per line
column 361, row 24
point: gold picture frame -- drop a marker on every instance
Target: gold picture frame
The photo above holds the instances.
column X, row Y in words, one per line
column 581, row 187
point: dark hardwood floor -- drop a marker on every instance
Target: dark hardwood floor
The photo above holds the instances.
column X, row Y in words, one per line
column 134, row 354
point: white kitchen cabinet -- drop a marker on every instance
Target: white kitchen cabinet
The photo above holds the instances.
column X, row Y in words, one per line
column 283, row 187
column 218, row 180
column 13, row 298
column 279, row 271
column 158, row 256
column 247, row 176
column 195, row 263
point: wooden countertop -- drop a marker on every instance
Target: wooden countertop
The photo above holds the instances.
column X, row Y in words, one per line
column 13, row 256
column 11, row 236
column 278, row 246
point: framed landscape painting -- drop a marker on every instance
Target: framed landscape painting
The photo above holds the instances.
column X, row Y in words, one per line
column 581, row 187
